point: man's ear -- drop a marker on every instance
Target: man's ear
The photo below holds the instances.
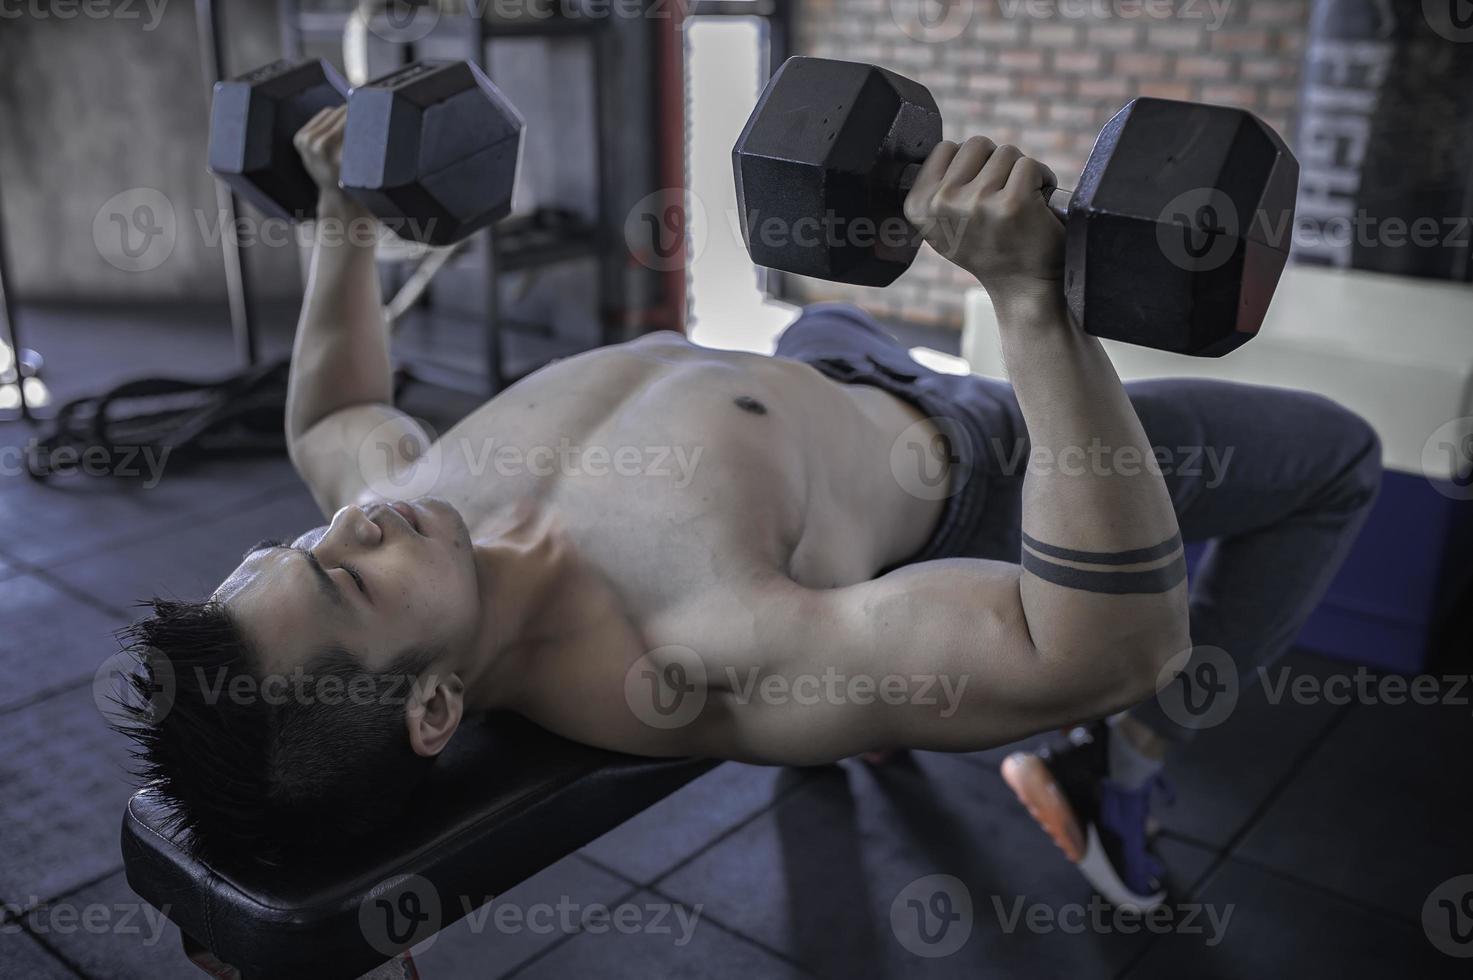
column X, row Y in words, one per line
column 436, row 705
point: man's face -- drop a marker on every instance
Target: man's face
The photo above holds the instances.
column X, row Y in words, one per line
column 379, row 581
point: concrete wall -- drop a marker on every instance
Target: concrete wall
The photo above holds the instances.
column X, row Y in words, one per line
column 94, row 107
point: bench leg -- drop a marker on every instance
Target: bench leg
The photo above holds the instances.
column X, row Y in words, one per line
column 400, row 967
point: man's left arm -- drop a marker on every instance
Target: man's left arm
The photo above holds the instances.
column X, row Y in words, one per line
column 340, row 393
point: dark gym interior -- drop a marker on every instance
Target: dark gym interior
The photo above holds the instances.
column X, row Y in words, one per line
column 1319, row 826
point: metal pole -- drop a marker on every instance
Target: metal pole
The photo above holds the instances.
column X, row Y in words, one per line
column 7, row 313
column 288, row 17
column 237, row 287
column 480, row 56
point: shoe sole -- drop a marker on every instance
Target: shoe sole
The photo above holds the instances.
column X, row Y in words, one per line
column 1100, row 873
column 1038, row 791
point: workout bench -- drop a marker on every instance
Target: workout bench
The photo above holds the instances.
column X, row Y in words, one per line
column 505, row 800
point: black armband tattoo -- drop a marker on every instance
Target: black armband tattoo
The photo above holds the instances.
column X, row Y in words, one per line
column 1038, row 560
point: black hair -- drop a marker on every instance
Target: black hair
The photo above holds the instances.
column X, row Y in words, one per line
column 265, row 766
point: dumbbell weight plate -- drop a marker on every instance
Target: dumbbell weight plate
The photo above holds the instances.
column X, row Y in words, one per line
column 819, row 166
column 253, row 119
column 432, row 150
column 1180, row 226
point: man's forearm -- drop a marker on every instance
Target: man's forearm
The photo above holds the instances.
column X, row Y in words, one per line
column 341, row 355
column 1102, row 554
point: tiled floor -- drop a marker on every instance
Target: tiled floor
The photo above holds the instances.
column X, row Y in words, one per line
column 1304, row 842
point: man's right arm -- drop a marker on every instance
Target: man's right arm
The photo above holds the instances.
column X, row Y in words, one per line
column 343, row 432
column 1098, row 606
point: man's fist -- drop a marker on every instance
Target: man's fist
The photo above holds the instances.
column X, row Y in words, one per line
column 320, row 144
column 983, row 207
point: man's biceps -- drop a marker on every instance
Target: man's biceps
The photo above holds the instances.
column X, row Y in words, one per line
column 371, row 442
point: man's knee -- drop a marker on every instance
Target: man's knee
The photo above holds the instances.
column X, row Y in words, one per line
column 1358, row 477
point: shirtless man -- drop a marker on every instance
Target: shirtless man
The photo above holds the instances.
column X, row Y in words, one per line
column 597, row 593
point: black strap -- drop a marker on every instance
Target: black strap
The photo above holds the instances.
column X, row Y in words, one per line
column 241, row 413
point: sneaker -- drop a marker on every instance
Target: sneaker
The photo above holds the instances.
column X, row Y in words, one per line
column 1099, row 825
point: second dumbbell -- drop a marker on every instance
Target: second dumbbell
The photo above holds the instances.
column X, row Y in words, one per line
column 431, row 148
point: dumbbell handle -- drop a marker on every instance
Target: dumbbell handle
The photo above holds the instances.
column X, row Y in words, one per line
column 1057, row 198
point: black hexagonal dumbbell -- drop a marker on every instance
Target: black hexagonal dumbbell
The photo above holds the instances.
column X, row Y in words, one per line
column 431, row 148
column 252, row 121
column 1175, row 237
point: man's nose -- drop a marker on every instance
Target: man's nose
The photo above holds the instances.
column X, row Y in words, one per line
column 351, row 529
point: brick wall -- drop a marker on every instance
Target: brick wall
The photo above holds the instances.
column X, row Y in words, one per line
column 1046, row 75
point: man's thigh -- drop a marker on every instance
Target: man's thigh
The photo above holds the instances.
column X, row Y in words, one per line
column 1240, row 457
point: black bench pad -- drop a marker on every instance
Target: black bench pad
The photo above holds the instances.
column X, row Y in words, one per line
column 504, row 801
